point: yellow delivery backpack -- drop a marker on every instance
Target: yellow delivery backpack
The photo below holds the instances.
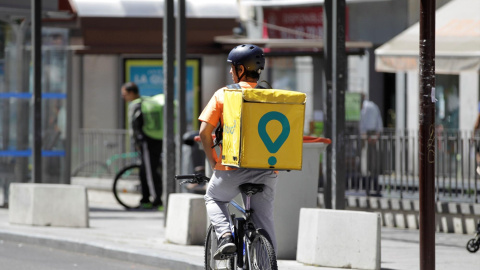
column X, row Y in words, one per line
column 263, row 128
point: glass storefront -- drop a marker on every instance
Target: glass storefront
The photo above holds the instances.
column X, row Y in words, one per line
column 16, row 103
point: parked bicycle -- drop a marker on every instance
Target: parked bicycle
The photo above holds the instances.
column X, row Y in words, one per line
column 97, row 168
column 474, row 244
column 254, row 248
column 127, row 187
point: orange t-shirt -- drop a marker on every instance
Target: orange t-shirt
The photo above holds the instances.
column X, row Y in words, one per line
column 213, row 113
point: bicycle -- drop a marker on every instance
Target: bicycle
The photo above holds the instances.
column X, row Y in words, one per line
column 95, row 168
column 254, row 248
column 127, row 188
column 474, row 244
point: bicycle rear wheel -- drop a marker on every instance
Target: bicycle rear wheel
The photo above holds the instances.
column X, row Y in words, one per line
column 127, row 188
column 210, row 248
column 262, row 253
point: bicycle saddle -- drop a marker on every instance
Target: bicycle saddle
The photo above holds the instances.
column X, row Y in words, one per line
column 252, row 189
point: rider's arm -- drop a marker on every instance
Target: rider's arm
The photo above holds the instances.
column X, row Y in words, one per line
column 207, row 142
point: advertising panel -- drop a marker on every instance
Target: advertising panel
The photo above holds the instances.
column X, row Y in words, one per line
column 148, row 75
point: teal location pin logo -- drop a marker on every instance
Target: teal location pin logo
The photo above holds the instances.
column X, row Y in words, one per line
column 273, row 146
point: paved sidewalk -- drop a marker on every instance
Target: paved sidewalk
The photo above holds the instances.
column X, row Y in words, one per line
column 140, row 236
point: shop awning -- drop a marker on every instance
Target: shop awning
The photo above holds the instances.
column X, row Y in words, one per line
column 127, row 26
column 457, row 42
column 154, row 8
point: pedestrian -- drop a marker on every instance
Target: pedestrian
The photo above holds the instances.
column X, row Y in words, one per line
column 370, row 126
column 145, row 118
column 247, row 61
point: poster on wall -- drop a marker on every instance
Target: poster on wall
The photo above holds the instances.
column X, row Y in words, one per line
column 148, row 75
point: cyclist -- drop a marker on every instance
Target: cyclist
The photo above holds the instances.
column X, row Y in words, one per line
column 247, row 61
column 145, row 118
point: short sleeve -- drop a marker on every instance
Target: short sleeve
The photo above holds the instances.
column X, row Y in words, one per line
column 213, row 112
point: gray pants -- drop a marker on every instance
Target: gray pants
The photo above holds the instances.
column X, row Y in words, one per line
column 224, row 186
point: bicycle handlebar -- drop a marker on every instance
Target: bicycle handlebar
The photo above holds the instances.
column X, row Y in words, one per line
column 192, row 178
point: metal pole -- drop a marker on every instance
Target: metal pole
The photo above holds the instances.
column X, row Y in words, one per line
column 169, row 92
column 181, row 80
column 427, row 135
column 339, row 77
column 68, row 125
column 37, row 89
column 327, row 39
column 335, row 108
column 23, row 108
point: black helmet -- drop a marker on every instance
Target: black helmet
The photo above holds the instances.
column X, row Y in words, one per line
column 248, row 55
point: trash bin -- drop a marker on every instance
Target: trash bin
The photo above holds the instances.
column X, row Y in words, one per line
column 296, row 190
column 193, row 161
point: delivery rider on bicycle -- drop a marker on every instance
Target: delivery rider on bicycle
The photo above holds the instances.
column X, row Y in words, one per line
column 145, row 118
column 247, row 61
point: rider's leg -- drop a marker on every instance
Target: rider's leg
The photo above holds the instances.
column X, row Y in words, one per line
column 222, row 188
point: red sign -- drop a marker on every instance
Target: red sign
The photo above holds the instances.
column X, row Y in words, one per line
column 306, row 23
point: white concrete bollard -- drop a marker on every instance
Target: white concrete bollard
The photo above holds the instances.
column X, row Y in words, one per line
column 341, row 239
column 186, row 219
column 295, row 190
column 48, row 205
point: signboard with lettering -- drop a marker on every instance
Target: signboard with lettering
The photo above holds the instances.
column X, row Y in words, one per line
column 306, row 20
column 352, row 106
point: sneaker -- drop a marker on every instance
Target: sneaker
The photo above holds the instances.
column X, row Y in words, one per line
column 478, row 170
column 225, row 247
column 158, row 205
column 148, row 205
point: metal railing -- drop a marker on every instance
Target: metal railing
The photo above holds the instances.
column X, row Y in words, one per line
column 387, row 165
column 102, row 153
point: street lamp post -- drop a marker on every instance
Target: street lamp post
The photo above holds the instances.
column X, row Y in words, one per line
column 169, row 92
column 37, row 89
column 427, row 135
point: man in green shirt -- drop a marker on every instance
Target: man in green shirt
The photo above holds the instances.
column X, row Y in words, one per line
column 145, row 118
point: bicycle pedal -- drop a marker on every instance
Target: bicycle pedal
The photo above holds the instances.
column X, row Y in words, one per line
column 227, row 256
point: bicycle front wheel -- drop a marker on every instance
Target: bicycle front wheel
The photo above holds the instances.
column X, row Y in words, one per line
column 473, row 245
column 210, row 248
column 262, row 253
column 127, row 188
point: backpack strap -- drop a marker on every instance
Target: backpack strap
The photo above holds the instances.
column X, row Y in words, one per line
column 218, row 134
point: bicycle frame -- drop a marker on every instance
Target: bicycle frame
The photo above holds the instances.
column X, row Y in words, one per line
column 246, row 235
column 242, row 227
